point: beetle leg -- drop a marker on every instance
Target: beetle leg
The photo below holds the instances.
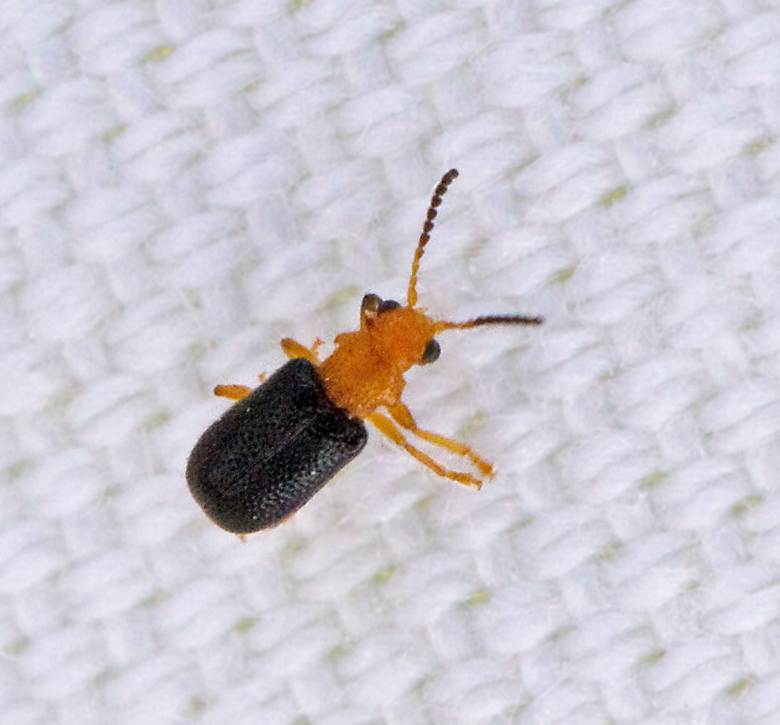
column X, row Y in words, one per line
column 403, row 417
column 233, row 392
column 236, row 392
column 390, row 429
column 295, row 350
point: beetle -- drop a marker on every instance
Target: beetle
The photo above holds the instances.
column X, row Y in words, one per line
column 283, row 441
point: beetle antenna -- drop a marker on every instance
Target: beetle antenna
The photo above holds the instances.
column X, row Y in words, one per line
column 488, row 320
column 441, row 189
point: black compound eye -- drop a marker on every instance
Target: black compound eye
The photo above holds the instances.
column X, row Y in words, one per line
column 388, row 305
column 431, row 353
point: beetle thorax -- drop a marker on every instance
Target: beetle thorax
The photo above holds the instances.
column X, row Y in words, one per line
column 366, row 370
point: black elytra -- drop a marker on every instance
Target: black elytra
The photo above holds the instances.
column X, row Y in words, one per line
column 272, row 451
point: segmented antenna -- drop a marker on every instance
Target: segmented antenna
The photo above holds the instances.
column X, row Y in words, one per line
column 441, row 189
column 488, row 320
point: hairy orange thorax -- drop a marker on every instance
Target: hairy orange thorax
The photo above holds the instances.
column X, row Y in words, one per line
column 366, row 370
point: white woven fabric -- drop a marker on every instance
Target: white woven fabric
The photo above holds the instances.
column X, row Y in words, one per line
column 182, row 184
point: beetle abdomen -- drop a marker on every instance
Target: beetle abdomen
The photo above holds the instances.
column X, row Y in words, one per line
column 272, row 451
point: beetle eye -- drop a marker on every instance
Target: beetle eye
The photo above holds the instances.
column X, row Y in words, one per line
column 431, row 353
column 388, row 305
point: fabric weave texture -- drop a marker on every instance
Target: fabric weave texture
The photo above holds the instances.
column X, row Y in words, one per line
column 183, row 184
